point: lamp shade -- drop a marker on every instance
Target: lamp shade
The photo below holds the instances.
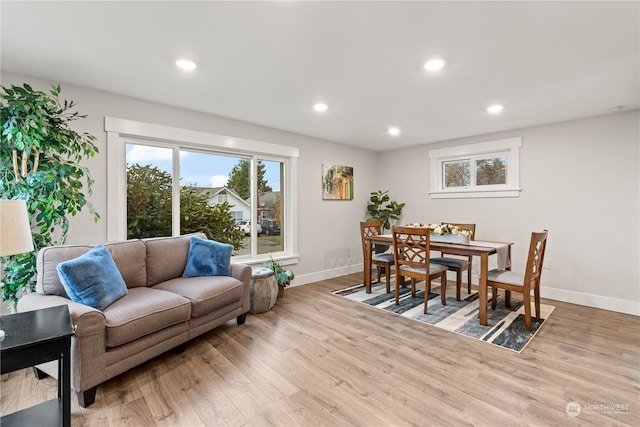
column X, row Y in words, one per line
column 15, row 229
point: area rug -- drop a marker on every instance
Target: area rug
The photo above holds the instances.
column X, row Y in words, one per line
column 505, row 326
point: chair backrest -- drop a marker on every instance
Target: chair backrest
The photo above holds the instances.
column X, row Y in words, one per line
column 368, row 229
column 471, row 227
column 536, row 256
column 411, row 246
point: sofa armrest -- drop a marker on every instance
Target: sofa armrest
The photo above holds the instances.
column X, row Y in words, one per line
column 241, row 272
column 86, row 320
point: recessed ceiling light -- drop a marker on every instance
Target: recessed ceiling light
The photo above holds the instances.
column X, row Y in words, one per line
column 186, row 64
column 493, row 109
column 320, row 107
column 393, row 131
column 616, row 109
column 434, row 64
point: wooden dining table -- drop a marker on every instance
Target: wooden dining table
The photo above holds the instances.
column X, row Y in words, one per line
column 473, row 248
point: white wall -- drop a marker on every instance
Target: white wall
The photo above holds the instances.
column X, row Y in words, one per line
column 329, row 239
column 580, row 181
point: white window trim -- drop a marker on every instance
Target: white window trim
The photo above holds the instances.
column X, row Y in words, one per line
column 119, row 130
column 511, row 146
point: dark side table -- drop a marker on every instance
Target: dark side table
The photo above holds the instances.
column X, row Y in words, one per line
column 32, row 338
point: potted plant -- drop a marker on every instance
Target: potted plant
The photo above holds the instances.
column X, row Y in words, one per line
column 40, row 163
column 282, row 275
column 383, row 209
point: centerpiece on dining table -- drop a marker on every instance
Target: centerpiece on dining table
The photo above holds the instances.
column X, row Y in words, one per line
column 448, row 233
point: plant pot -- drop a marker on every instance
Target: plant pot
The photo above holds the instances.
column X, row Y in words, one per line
column 449, row 238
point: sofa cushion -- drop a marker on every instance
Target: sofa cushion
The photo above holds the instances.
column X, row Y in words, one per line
column 48, row 279
column 166, row 257
column 208, row 258
column 205, row 293
column 129, row 257
column 92, row 278
column 141, row 312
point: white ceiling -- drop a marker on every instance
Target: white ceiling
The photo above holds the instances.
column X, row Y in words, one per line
column 268, row 62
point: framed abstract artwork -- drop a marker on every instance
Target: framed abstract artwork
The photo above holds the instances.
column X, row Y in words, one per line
column 337, row 182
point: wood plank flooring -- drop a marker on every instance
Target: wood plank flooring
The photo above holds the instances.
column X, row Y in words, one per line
column 321, row 360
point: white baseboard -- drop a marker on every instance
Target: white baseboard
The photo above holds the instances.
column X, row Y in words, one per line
column 587, row 300
column 590, row 300
column 305, row 279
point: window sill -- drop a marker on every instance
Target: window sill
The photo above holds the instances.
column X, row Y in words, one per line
column 284, row 259
column 469, row 194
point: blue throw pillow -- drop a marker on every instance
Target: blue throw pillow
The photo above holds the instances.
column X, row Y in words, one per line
column 208, row 258
column 93, row 278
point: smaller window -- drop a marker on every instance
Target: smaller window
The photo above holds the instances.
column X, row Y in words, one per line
column 487, row 169
column 457, row 173
column 491, row 171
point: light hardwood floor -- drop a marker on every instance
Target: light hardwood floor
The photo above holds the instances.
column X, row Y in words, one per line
column 321, row 360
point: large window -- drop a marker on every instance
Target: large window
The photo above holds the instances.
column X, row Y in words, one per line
column 149, row 191
column 177, row 186
column 488, row 169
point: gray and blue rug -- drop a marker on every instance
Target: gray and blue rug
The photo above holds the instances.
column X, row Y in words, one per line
column 505, row 326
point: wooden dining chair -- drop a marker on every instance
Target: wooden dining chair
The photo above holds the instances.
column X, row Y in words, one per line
column 510, row 281
column 379, row 258
column 411, row 257
column 458, row 264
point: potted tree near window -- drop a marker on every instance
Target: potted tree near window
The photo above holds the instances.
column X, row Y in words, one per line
column 40, row 159
column 382, row 208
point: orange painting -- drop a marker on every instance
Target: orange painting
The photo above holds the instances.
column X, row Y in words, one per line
column 337, row 182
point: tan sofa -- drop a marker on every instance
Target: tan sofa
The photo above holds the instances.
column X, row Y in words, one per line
column 161, row 310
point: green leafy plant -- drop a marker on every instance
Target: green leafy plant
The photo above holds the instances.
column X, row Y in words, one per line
column 282, row 275
column 383, row 209
column 40, row 159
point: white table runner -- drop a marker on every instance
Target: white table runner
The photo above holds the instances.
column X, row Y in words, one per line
column 502, row 251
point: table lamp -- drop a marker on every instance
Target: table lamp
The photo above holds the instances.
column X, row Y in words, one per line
column 15, row 230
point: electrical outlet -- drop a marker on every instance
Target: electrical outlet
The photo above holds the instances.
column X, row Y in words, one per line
column 546, row 264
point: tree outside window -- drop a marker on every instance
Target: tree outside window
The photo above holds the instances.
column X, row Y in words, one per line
column 491, row 171
column 457, row 174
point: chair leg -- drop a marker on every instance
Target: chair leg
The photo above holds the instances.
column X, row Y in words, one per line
column 387, row 270
column 427, row 291
column 378, row 268
column 494, row 297
column 458, row 283
column 443, row 288
column 413, row 287
column 426, row 295
column 527, row 311
column 399, row 278
column 469, row 279
column 507, row 298
column 536, row 297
